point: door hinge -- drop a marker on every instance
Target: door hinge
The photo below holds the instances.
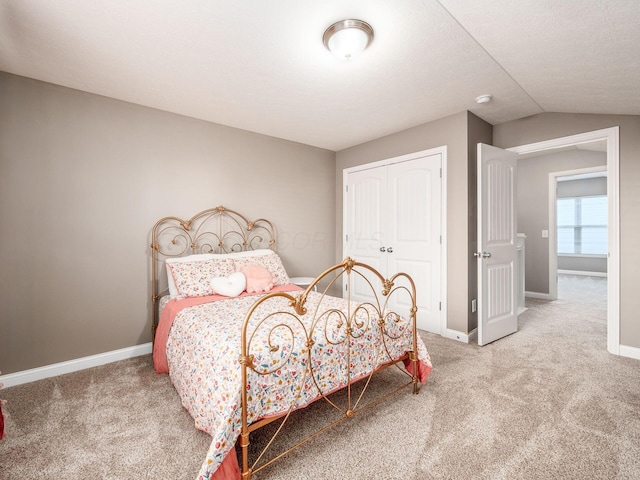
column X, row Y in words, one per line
column 440, row 239
column 440, row 172
column 346, row 237
column 440, row 306
column 346, row 188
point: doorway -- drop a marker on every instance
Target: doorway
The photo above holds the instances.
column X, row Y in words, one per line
column 578, row 217
column 611, row 137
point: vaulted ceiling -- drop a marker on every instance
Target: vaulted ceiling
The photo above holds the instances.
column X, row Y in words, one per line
column 261, row 66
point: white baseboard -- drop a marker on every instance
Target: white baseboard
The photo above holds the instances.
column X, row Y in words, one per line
column 581, row 272
column 541, row 296
column 462, row 337
column 26, row 376
column 631, row 352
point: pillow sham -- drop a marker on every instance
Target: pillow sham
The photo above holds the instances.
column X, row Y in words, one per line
column 192, row 277
column 267, row 259
column 173, row 291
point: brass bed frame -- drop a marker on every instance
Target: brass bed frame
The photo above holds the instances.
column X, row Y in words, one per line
column 220, row 230
column 215, row 230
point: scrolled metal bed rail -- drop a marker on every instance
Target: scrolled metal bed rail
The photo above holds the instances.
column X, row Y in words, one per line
column 297, row 335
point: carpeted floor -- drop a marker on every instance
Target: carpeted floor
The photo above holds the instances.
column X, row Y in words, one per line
column 548, row 402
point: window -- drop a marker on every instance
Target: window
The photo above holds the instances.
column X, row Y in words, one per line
column 582, row 225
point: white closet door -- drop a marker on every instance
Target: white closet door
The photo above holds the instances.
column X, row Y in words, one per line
column 414, row 229
column 393, row 223
column 365, row 224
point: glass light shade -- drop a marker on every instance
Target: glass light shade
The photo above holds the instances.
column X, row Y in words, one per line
column 348, row 43
column 348, row 38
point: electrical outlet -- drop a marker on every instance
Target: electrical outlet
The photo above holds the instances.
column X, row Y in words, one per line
column 474, row 305
column 545, row 233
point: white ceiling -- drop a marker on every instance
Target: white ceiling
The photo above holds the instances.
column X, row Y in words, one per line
column 261, row 65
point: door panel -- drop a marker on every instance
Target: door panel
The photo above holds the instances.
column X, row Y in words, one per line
column 497, row 244
column 500, row 207
column 499, row 291
column 414, row 232
column 364, row 226
column 366, row 191
column 428, row 305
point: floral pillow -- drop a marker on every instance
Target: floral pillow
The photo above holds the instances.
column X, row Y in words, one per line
column 193, row 278
column 269, row 260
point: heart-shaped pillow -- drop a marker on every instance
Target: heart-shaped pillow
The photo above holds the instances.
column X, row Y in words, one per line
column 230, row 286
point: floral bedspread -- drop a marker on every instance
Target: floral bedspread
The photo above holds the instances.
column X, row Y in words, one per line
column 203, row 352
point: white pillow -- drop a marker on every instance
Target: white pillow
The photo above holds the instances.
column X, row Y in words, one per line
column 230, row 286
column 247, row 253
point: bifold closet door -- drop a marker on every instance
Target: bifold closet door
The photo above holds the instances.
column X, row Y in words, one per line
column 392, row 222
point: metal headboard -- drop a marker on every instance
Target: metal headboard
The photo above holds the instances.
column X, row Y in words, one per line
column 216, row 230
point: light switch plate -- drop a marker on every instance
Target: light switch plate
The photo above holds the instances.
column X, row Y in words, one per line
column 545, row 233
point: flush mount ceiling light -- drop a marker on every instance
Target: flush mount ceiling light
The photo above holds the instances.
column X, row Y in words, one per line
column 483, row 99
column 348, row 38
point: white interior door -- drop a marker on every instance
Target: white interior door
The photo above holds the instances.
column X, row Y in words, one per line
column 393, row 223
column 497, row 244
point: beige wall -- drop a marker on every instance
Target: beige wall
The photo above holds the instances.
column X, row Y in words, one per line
column 479, row 132
column 452, row 131
column 83, row 178
column 547, row 126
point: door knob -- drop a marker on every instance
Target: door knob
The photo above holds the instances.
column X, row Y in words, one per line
column 382, row 249
column 390, row 250
column 482, row 254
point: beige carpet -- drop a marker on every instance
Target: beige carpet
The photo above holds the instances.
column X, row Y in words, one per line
column 546, row 403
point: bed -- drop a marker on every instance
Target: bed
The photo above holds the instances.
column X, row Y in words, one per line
column 245, row 348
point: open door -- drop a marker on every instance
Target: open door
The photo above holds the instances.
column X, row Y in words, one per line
column 497, row 248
